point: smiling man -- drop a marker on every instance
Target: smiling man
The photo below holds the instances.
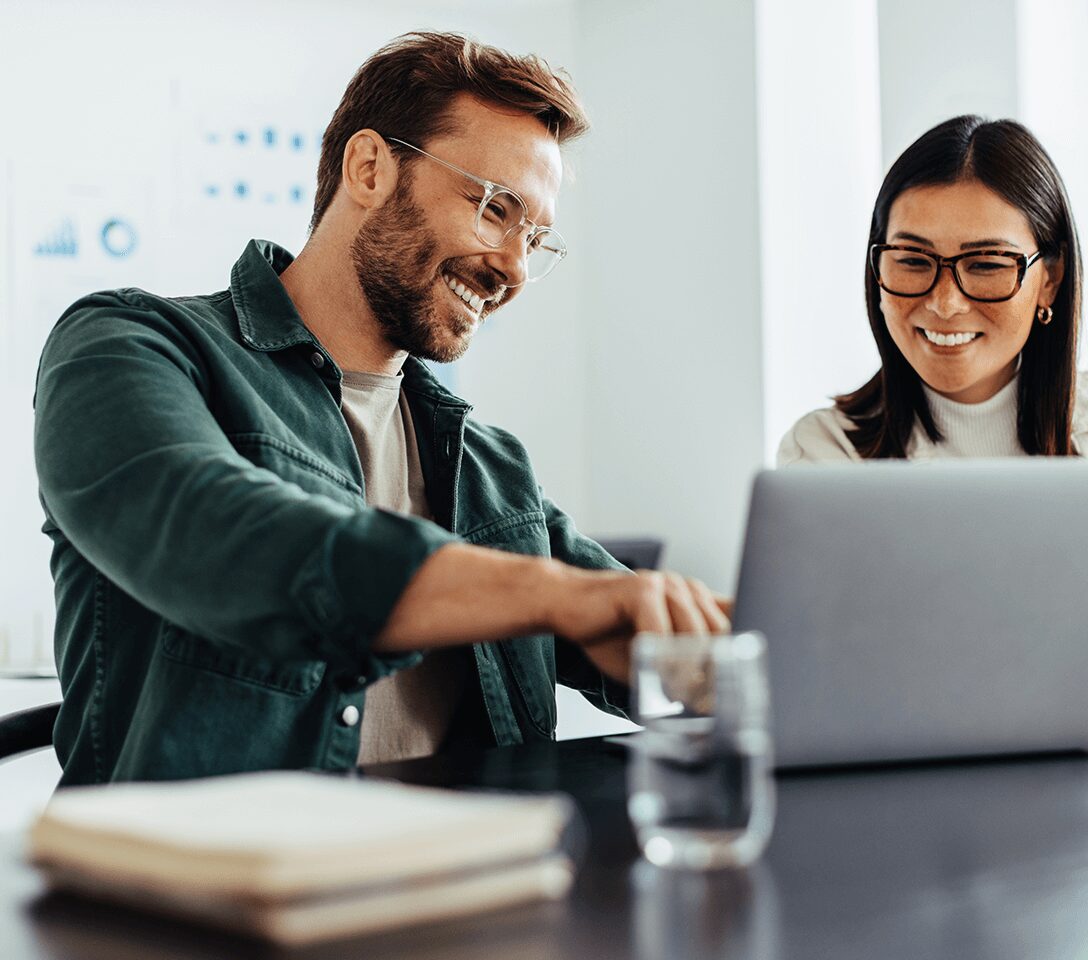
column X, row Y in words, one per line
column 278, row 540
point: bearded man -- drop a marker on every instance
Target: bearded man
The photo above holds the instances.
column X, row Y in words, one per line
column 278, row 541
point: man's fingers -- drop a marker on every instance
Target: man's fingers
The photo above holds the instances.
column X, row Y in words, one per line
column 717, row 620
column 651, row 613
column 687, row 617
column 726, row 606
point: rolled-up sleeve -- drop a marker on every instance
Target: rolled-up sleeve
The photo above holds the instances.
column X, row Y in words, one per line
column 137, row 473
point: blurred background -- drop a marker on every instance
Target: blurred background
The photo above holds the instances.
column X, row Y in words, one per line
column 717, row 213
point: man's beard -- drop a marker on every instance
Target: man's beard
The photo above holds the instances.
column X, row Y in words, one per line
column 390, row 251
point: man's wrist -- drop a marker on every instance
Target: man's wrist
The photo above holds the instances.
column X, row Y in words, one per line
column 547, row 589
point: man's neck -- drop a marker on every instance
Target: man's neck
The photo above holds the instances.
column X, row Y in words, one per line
column 322, row 284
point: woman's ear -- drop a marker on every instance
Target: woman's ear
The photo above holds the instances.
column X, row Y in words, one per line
column 1054, row 273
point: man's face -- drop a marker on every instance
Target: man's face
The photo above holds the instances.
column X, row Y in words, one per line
column 417, row 256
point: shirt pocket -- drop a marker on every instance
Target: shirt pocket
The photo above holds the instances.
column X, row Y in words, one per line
column 294, row 677
column 298, row 466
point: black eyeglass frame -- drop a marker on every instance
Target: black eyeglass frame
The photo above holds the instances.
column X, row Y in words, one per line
column 1023, row 262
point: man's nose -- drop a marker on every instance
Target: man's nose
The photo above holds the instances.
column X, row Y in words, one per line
column 510, row 262
column 946, row 299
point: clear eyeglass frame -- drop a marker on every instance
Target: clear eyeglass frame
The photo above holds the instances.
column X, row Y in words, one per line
column 1023, row 261
column 546, row 242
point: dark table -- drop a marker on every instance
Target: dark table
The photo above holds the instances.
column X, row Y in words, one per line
column 972, row 860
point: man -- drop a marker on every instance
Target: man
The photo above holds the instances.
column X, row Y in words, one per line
column 264, row 507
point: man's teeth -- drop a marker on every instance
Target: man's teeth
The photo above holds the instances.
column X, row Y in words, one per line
column 949, row 339
column 472, row 299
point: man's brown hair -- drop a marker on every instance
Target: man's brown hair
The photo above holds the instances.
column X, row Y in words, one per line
column 404, row 91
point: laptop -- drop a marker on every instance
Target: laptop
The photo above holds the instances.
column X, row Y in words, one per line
column 921, row 611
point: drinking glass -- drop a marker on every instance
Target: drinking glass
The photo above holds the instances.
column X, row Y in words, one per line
column 700, row 785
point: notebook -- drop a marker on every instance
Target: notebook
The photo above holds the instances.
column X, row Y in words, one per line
column 921, row 610
column 300, row 857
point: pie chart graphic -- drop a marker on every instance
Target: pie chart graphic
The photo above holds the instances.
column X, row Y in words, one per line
column 118, row 238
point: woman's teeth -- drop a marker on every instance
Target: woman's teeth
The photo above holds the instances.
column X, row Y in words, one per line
column 472, row 299
column 949, row 339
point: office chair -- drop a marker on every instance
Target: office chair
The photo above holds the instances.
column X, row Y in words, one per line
column 638, row 553
column 27, row 730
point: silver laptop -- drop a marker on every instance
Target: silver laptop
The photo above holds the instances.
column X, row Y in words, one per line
column 921, row 610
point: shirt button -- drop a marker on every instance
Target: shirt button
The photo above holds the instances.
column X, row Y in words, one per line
column 317, row 358
column 350, row 716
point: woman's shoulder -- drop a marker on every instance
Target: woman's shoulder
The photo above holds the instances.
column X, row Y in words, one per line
column 818, row 437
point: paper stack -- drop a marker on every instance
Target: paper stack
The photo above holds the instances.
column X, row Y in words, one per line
column 300, row 857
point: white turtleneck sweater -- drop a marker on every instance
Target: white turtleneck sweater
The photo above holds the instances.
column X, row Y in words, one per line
column 986, row 429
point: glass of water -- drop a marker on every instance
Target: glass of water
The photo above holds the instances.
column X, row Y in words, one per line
column 700, row 784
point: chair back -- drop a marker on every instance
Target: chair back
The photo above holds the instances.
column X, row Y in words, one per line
column 27, row 730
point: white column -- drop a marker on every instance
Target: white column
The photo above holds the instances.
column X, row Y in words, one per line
column 670, row 292
column 819, row 162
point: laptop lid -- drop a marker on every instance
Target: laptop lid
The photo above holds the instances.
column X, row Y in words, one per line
column 921, row 610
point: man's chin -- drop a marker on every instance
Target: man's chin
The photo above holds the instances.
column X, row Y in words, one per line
column 449, row 348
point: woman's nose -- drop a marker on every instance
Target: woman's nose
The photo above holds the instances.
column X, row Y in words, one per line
column 946, row 299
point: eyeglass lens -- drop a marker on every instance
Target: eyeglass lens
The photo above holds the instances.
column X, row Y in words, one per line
column 501, row 216
column 984, row 276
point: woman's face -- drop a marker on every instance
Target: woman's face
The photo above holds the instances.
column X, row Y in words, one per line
column 947, row 219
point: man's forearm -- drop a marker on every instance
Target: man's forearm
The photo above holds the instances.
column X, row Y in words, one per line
column 469, row 594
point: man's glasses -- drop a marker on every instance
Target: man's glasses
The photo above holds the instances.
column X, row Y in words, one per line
column 501, row 216
column 989, row 276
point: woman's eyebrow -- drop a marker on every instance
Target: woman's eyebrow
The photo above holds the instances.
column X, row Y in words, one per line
column 913, row 238
column 971, row 245
column 993, row 242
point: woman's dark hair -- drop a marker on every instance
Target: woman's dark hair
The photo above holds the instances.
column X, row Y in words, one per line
column 1004, row 156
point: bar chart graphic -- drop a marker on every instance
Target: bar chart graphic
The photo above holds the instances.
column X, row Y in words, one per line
column 60, row 241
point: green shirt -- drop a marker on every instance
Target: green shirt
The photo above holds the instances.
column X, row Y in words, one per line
column 219, row 577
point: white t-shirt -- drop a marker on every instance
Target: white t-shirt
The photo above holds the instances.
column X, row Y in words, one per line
column 986, row 429
column 408, row 713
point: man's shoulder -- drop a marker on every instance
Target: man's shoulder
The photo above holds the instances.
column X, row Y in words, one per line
column 110, row 312
column 490, row 434
column 135, row 302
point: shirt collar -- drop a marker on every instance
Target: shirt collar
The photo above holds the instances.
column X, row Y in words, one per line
column 267, row 317
column 269, row 321
column 418, row 378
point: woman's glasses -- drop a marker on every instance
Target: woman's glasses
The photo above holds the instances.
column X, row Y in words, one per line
column 988, row 276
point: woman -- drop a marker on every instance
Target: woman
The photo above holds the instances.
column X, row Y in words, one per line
column 973, row 288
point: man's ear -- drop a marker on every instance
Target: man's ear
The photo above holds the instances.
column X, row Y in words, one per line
column 369, row 172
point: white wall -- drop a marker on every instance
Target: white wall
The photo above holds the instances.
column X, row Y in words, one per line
column 670, row 296
column 820, row 168
column 1053, row 75
column 940, row 59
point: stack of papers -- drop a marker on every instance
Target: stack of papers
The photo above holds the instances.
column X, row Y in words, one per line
column 300, row 857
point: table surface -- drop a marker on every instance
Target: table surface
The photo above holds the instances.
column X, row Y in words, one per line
column 971, row 860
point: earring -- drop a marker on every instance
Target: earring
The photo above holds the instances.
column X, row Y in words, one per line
column 1044, row 315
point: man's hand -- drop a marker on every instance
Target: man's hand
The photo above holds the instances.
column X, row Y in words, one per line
column 602, row 612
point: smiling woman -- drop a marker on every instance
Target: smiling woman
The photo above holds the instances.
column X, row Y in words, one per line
column 973, row 289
